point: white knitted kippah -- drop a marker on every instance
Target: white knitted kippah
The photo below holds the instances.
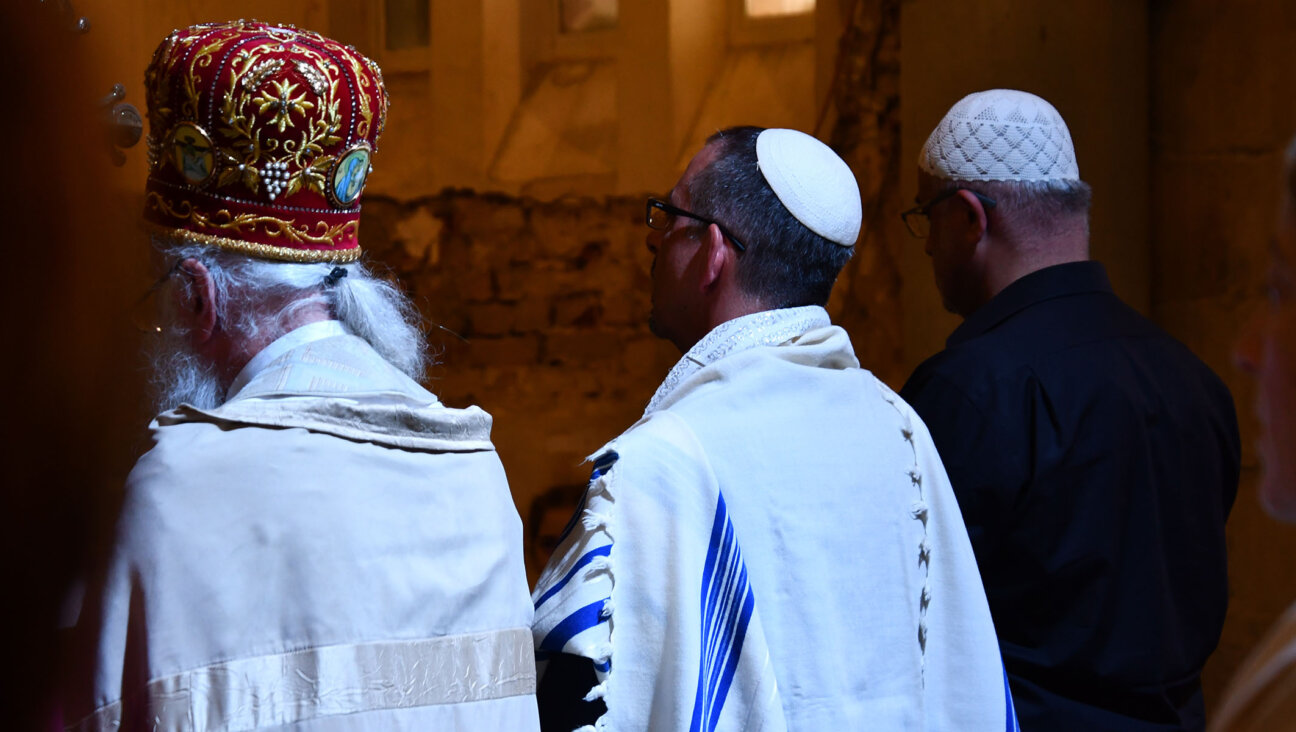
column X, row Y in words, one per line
column 815, row 185
column 1001, row 134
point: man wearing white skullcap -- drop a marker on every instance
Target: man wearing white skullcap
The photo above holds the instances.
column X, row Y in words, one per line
column 1094, row 457
column 774, row 545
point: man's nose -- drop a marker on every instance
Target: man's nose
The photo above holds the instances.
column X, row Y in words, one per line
column 653, row 240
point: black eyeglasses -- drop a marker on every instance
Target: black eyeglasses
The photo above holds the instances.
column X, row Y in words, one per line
column 918, row 219
column 659, row 214
column 145, row 314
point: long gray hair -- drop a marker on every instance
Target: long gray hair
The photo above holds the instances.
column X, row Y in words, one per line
column 258, row 299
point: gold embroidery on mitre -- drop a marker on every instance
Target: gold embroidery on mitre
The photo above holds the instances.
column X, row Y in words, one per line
column 366, row 114
column 257, row 86
column 283, row 103
column 201, row 60
column 271, row 130
column 238, row 223
column 253, row 249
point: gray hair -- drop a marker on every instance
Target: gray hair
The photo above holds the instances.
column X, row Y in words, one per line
column 258, row 299
column 1042, row 204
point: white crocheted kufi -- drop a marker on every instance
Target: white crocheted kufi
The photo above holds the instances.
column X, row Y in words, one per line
column 814, row 184
column 1001, row 134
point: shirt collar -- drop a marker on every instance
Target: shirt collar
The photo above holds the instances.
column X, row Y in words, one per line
column 1059, row 280
column 309, row 333
column 766, row 328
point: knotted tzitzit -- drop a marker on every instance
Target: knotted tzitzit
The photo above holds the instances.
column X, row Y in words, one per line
column 1000, row 135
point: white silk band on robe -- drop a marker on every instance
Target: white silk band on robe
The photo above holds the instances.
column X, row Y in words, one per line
column 775, row 545
column 290, row 688
column 332, row 549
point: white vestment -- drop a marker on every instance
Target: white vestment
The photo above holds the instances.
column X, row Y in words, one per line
column 775, row 545
column 331, row 549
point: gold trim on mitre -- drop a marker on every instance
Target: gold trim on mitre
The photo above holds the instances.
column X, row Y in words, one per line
column 263, row 251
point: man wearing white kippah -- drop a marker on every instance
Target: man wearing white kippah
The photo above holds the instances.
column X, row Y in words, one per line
column 774, row 545
column 1094, row 457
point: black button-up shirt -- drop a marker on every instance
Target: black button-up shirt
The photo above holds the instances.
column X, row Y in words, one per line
column 1095, row 459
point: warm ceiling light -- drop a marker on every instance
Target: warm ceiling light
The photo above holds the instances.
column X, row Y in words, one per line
column 773, row 8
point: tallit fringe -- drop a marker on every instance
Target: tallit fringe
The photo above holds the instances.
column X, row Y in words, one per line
column 598, row 692
column 603, row 521
column 919, row 511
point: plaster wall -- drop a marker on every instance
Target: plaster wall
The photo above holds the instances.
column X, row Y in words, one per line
column 698, row 42
column 646, row 107
column 502, row 70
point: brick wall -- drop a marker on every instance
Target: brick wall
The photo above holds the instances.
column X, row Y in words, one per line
column 541, row 310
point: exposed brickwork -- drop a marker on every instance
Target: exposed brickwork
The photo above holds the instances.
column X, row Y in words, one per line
column 543, row 313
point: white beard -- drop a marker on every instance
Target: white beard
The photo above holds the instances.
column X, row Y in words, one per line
column 181, row 376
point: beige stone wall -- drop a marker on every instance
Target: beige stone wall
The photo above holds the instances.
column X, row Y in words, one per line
column 542, row 311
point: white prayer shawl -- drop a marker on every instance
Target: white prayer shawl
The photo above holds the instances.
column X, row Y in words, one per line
column 775, row 545
column 331, row 549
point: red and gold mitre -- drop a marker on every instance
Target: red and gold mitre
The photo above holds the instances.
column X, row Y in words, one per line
column 260, row 139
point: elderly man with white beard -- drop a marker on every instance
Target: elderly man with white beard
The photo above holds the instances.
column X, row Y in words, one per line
column 313, row 541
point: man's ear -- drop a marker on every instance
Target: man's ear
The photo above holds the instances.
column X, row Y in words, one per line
column 717, row 257
column 977, row 219
column 197, row 302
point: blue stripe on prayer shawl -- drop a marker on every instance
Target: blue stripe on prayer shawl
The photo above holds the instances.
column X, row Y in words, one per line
column 602, row 551
column 572, row 626
column 1008, row 704
column 727, row 603
column 571, row 522
column 602, row 464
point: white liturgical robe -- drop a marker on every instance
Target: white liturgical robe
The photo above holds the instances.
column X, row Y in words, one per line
column 775, row 545
column 331, row 549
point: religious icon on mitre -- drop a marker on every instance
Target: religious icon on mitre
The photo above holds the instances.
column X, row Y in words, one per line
column 192, row 154
column 349, row 175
